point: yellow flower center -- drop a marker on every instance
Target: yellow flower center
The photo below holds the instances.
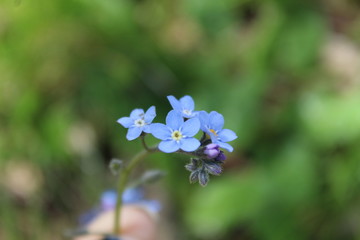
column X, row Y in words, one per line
column 214, row 132
column 176, row 135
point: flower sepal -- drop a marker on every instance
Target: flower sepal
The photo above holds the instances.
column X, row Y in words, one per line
column 201, row 169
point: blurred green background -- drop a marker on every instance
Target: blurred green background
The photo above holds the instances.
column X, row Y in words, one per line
column 285, row 74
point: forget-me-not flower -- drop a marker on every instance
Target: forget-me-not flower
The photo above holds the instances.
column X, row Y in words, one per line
column 185, row 106
column 108, row 202
column 130, row 196
column 138, row 122
column 177, row 133
column 213, row 123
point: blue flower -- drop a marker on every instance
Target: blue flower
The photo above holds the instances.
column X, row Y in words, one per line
column 212, row 123
column 185, row 106
column 108, row 202
column 177, row 134
column 130, row 195
column 138, row 122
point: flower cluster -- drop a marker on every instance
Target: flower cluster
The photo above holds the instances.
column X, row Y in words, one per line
column 178, row 134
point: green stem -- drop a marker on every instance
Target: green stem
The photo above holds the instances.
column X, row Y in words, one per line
column 149, row 149
column 123, row 179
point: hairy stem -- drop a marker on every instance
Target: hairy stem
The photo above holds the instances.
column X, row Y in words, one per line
column 196, row 154
column 124, row 177
column 123, row 180
column 149, row 149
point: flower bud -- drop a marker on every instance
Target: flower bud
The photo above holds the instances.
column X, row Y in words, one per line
column 116, row 166
column 194, row 176
column 221, row 157
column 203, row 178
column 213, row 168
column 212, row 150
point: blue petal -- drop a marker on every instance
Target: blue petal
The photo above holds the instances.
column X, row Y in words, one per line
column 160, row 131
column 226, row 146
column 214, row 139
column 132, row 195
column 147, row 128
column 204, row 120
column 216, row 120
column 169, row 146
column 190, row 127
column 152, row 206
column 226, row 135
column 126, row 122
column 174, row 103
column 174, row 120
column 150, row 114
column 187, row 103
column 136, row 113
column 189, row 144
column 133, row 132
column 195, row 113
column 108, row 200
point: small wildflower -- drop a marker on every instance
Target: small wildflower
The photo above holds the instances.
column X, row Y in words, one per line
column 130, row 196
column 108, row 202
column 177, row 134
column 185, row 106
column 138, row 122
column 212, row 123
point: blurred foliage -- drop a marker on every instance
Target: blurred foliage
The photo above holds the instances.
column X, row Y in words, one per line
column 285, row 74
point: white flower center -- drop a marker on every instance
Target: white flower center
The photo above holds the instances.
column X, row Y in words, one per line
column 187, row 112
column 139, row 122
column 176, row 135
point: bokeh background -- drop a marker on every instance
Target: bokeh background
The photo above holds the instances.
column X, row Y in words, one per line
column 285, row 74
